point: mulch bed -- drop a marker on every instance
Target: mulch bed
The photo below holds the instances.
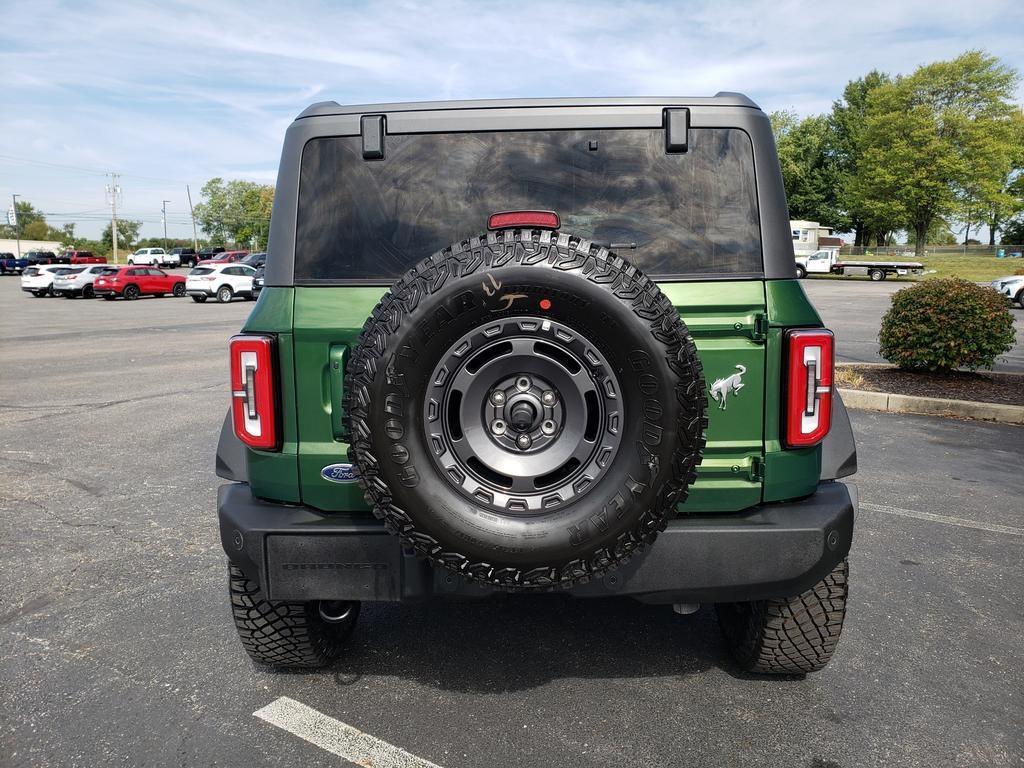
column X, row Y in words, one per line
column 1007, row 388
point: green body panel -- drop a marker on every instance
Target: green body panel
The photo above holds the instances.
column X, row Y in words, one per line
column 733, row 323
column 274, row 475
column 789, row 474
column 725, row 319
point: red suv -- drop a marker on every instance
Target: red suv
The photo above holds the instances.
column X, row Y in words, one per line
column 132, row 282
column 72, row 256
column 227, row 257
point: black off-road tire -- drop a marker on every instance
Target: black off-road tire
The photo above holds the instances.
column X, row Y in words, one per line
column 791, row 636
column 597, row 295
column 285, row 634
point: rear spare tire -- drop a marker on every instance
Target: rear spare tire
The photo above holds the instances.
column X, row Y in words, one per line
column 526, row 409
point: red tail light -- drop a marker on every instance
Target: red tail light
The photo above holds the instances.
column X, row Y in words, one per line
column 539, row 219
column 254, row 391
column 808, row 386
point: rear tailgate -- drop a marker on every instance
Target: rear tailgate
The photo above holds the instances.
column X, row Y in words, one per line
column 726, row 319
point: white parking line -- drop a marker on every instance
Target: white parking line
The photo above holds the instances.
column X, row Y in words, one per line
column 337, row 737
column 948, row 520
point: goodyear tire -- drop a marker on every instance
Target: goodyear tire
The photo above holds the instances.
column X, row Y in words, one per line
column 285, row 633
column 526, row 409
column 788, row 636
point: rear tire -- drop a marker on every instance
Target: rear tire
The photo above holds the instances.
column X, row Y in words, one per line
column 801, row 273
column 1020, row 298
column 225, row 294
column 788, row 636
column 179, row 290
column 88, row 292
column 876, row 275
column 285, row 633
column 131, row 292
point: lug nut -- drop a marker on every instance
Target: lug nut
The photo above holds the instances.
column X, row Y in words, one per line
column 524, row 442
column 548, row 427
column 497, row 397
column 548, row 397
column 523, row 383
column 498, row 427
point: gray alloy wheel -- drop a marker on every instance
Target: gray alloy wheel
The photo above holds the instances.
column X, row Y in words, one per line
column 522, row 420
column 224, row 294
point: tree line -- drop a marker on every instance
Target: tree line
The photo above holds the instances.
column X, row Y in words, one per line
column 232, row 213
column 918, row 153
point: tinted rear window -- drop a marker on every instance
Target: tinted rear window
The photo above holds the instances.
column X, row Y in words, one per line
column 689, row 214
column 201, row 271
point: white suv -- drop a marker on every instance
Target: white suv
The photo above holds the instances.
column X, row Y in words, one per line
column 38, row 280
column 158, row 257
column 78, row 282
column 225, row 281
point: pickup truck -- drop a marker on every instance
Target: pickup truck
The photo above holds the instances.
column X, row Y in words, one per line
column 72, row 256
column 9, row 263
column 826, row 262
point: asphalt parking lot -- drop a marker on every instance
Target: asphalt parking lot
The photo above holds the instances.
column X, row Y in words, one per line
column 854, row 310
column 116, row 645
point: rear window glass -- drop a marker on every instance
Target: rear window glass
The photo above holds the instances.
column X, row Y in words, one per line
column 201, row 271
column 690, row 213
column 32, row 271
column 110, row 271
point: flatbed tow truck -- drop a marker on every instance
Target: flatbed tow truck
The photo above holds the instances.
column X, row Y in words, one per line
column 827, row 262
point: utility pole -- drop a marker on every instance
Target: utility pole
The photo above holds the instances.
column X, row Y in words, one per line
column 191, row 210
column 163, row 210
column 17, row 225
column 113, row 189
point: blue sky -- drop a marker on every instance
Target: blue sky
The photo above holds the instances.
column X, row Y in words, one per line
column 169, row 93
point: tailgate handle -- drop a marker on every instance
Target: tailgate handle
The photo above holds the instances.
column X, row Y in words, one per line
column 337, row 361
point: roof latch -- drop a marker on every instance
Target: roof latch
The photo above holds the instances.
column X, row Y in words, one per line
column 372, row 129
column 677, row 128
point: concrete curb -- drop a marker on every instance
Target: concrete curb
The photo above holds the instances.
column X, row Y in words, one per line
column 933, row 406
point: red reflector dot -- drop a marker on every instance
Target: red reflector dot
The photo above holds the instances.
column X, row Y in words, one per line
column 545, row 304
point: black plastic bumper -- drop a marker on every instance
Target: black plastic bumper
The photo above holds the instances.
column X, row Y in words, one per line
column 774, row 550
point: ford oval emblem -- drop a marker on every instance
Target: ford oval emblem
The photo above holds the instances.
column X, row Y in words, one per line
column 339, row 473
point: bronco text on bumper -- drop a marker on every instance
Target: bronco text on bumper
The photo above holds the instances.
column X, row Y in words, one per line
column 608, row 383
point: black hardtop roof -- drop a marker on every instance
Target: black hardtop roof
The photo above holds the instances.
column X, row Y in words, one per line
column 720, row 99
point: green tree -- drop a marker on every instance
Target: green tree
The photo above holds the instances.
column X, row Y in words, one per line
column 28, row 216
column 846, row 122
column 236, row 211
column 806, row 155
column 127, row 234
column 929, row 140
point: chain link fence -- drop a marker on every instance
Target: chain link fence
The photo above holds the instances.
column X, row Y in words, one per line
column 907, row 251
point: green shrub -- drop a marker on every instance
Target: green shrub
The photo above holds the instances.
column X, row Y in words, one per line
column 939, row 325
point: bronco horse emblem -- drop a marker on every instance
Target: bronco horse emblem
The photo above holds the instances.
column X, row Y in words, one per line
column 722, row 387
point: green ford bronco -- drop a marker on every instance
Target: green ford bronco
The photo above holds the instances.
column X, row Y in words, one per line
column 535, row 345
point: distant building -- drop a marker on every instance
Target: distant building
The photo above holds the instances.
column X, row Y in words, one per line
column 11, row 246
column 810, row 237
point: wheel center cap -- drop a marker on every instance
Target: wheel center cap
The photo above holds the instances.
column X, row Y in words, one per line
column 523, row 416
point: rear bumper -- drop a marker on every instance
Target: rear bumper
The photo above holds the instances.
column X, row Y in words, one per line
column 773, row 550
